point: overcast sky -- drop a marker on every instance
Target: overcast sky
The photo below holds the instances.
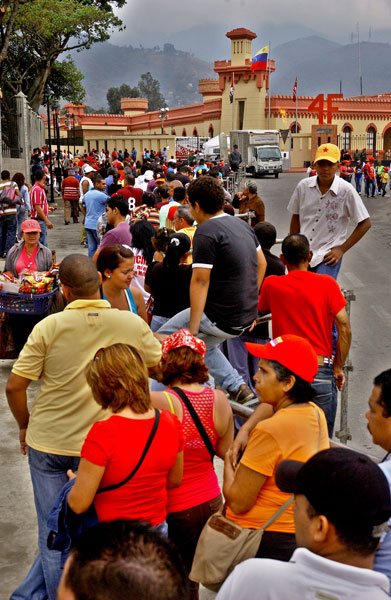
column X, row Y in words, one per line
column 152, row 23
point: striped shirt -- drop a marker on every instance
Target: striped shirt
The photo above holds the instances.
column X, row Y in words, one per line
column 7, row 208
column 70, row 188
column 148, row 214
column 38, row 198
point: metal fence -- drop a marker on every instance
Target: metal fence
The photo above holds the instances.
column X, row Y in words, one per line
column 22, row 129
column 343, row 434
column 10, row 146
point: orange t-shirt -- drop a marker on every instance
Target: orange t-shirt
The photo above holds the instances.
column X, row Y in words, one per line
column 293, row 433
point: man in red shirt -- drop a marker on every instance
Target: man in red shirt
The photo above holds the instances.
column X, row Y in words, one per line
column 306, row 304
column 39, row 205
column 132, row 194
column 70, row 195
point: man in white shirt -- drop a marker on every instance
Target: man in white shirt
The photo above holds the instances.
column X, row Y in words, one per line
column 342, row 506
column 322, row 208
column 379, row 426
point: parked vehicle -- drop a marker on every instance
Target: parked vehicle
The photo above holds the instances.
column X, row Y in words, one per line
column 260, row 150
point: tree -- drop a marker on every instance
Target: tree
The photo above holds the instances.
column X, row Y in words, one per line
column 65, row 81
column 150, row 88
column 114, row 96
column 8, row 13
column 88, row 110
column 45, row 29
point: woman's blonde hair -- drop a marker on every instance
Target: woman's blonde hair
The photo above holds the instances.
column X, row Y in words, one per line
column 118, row 377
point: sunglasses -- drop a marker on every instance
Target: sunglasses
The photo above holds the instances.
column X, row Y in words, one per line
column 98, row 353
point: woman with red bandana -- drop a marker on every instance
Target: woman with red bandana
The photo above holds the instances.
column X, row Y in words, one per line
column 183, row 370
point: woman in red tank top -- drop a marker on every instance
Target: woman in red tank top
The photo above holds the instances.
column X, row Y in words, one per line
column 191, row 504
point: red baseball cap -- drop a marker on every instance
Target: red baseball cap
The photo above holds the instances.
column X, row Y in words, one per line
column 31, row 226
column 292, row 351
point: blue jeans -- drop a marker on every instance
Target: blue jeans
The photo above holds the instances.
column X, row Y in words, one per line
column 327, row 394
column 43, row 238
column 162, row 528
column 8, row 226
column 158, row 322
column 48, row 476
column 240, row 358
column 221, row 370
column 370, row 187
column 93, row 241
column 333, row 271
column 358, row 180
column 20, row 218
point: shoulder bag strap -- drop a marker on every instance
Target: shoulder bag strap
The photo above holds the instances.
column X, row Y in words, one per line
column 196, row 419
column 286, row 504
column 115, row 486
column 319, row 425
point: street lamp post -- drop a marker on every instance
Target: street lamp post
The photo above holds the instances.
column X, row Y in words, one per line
column 74, row 141
column 47, row 102
column 68, row 126
column 56, row 111
column 163, row 115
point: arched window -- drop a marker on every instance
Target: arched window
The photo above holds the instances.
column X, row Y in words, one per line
column 195, row 133
column 295, row 128
column 211, row 130
column 371, row 139
column 346, row 137
column 173, row 132
column 184, row 134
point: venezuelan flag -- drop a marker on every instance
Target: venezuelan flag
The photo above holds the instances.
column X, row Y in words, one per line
column 259, row 62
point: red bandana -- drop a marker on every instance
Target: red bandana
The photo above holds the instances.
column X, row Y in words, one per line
column 183, row 337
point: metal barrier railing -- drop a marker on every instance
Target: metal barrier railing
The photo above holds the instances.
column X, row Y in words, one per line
column 343, row 434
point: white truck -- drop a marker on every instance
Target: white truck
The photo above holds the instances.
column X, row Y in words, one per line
column 260, row 150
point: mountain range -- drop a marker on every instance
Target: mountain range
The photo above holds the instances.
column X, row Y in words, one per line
column 322, row 66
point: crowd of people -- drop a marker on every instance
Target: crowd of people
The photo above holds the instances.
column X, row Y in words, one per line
column 163, row 324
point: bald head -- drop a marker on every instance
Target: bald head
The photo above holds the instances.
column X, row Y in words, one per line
column 79, row 273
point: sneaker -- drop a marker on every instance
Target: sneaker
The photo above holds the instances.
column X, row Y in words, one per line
column 242, row 395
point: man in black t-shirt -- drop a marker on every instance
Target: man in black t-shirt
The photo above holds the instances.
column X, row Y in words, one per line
column 237, row 353
column 228, row 269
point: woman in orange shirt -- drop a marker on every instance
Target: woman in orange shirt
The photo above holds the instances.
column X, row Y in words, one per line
column 296, row 429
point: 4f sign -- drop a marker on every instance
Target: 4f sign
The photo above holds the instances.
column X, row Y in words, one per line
column 318, row 106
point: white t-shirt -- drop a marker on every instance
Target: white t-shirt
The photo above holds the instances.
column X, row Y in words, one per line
column 163, row 213
column 324, row 219
column 140, row 268
column 90, row 186
column 307, row 576
column 382, row 562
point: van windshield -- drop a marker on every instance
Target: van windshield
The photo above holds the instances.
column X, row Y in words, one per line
column 269, row 153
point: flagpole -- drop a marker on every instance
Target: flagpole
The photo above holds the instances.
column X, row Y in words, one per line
column 268, row 67
column 296, row 104
column 233, row 101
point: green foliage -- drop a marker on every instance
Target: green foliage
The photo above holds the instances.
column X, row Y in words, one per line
column 114, row 96
column 45, row 29
column 89, row 110
column 65, row 80
column 150, row 88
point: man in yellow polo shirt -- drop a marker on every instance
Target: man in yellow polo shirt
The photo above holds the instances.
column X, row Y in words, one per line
column 183, row 222
column 57, row 352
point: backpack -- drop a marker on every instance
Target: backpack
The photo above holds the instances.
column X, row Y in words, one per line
column 8, row 194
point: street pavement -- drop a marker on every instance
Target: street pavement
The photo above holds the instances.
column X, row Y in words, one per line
column 365, row 269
